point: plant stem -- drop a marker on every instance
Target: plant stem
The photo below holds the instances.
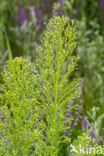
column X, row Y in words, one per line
column 55, row 109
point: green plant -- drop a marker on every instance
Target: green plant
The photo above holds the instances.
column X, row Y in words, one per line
column 5, row 19
column 55, row 64
column 17, row 107
column 92, row 67
column 95, row 122
column 35, row 106
column 83, row 145
column 14, row 35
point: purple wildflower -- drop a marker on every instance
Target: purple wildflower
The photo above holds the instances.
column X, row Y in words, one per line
column 22, row 16
column 71, row 17
column 85, row 124
column 69, row 114
column 61, row 2
column 101, row 3
column 92, row 134
column 75, row 10
column 38, row 13
column 69, row 123
column 32, row 14
column 13, row 17
column 39, row 23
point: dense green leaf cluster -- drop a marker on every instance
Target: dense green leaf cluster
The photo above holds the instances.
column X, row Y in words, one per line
column 55, row 64
column 34, row 100
column 18, row 108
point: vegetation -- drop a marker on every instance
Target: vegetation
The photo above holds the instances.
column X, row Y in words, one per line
column 44, row 75
column 34, row 99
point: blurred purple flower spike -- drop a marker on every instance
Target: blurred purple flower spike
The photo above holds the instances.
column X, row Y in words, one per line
column 32, row 14
column 85, row 124
column 38, row 13
column 39, row 23
column 92, row 134
column 101, row 3
column 22, row 16
column 75, row 10
column 61, row 2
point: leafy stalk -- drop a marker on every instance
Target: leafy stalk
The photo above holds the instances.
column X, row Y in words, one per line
column 54, row 68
